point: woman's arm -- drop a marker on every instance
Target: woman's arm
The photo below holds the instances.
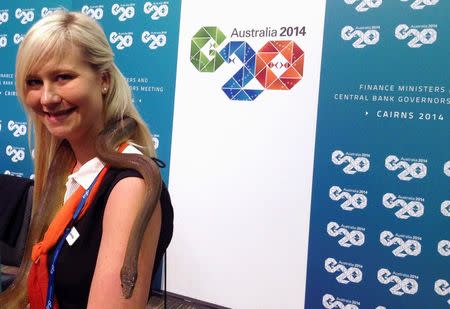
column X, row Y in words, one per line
column 120, row 212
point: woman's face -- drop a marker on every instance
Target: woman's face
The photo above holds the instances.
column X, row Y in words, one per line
column 67, row 97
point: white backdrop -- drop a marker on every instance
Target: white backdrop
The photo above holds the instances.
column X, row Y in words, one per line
column 241, row 172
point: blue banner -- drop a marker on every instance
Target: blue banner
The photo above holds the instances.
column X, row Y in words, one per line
column 144, row 37
column 379, row 229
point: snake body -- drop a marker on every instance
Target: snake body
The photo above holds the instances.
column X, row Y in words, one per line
column 114, row 133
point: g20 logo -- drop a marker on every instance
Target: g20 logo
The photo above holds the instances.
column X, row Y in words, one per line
column 278, row 65
column 95, row 12
column 155, row 139
column 442, row 288
column 25, row 16
column 354, row 165
column 47, row 11
column 347, row 275
column 4, row 17
column 330, row 302
column 18, row 128
column 156, row 10
column 447, row 168
column 363, row 38
column 444, row 247
column 3, row 41
column 365, row 5
column 410, row 247
column 123, row 40
column 445, row 208
column 154, row 40
column 124, row 12
column 401, row 286
column 410, row 171
column 349, row 238
column 426, row 36
column 17, row 154
column 407, row 209
column 18, row 38
column 421, row 4
column 351, row 201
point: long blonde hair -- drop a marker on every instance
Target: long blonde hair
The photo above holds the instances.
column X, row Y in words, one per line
column 48, row 40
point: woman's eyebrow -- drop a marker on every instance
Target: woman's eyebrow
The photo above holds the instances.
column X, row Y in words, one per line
column 51, row 72
column 31, row 76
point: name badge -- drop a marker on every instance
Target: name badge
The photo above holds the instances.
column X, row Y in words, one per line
column 73, row 236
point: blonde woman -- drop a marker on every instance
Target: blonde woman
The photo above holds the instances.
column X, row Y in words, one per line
column 71, row 89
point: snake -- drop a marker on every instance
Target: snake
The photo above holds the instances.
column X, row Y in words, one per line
column 115, row 132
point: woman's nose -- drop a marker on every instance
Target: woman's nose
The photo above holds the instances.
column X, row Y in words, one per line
column 49, row 96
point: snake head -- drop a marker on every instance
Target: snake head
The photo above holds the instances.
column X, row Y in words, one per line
column 128, row 277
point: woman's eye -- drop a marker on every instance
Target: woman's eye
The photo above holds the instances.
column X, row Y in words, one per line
column 64, row 77
column 32, row 82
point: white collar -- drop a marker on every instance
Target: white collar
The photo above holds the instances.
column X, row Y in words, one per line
column 88, row 171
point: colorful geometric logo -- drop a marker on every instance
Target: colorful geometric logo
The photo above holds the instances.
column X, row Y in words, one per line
column 204, row 55
column 234, row 87
column 278, row 65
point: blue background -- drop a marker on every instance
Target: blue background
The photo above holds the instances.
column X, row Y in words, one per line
column 158, row 66
column 344, row 125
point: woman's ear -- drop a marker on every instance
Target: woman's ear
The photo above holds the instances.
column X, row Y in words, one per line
column 105, row 82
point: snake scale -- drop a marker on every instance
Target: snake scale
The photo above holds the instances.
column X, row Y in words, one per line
column 115, row 133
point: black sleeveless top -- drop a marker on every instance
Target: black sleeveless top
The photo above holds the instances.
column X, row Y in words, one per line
column 76, row 264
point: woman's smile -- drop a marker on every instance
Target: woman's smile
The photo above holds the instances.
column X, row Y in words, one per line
column 58, row 116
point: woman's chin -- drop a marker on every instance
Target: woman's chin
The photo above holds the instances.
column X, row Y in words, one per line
column 60, row 132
